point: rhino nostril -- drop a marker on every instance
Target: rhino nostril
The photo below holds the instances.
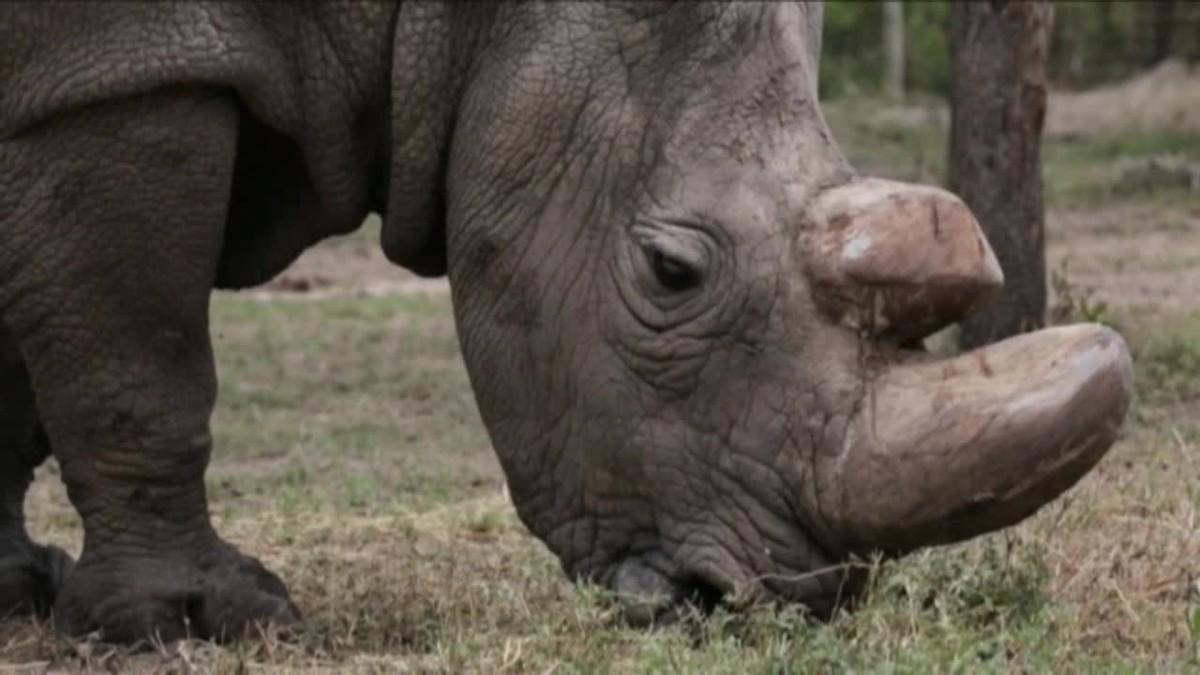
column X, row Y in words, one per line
column 701, row 594
column 649, row 596
column 644, row 592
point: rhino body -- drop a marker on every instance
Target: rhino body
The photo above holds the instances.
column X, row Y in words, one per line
column 688, row 323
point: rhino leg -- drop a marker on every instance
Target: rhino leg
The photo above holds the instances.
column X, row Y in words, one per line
column 30, row 574
column 113, row 222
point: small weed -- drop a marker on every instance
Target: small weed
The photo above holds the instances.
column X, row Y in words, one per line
column 1073, row 304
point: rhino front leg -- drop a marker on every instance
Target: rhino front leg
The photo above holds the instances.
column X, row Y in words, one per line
column 112, row 218
column 30, row 574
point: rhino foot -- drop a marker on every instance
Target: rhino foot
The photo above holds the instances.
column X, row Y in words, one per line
column 30, row 576
column 219, row 594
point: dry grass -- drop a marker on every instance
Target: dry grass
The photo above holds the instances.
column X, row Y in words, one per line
column 352, row 460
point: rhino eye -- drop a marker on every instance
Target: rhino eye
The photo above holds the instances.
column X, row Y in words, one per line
column 673, row 274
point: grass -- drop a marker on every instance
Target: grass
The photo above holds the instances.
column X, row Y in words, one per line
column 351, row 459
column 882, row 139
column 368, row 390
column 910, row 143
column 1104, row 168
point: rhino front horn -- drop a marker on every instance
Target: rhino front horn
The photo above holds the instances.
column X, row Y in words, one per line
column 943, row 450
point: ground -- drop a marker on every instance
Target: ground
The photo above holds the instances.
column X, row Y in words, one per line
column 351, row 459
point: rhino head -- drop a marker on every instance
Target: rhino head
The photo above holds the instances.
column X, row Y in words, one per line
column 688, row 322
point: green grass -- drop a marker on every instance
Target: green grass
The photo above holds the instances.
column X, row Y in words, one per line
column 1104, row 168
column 368, row 390
column 1168, row 373
column 882, row 139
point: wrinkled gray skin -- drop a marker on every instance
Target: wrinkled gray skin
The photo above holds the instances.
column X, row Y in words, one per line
column 619, row 195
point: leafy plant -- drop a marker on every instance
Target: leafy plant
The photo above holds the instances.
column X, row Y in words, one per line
column 1073, row 304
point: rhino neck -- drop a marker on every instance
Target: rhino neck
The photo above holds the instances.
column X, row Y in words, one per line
column 433, row 49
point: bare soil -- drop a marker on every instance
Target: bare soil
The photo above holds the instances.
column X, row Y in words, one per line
column 1165, row 98
column 1142, row 258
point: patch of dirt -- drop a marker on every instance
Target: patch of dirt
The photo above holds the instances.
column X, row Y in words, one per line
column 1166, row 97
column 1141, row 258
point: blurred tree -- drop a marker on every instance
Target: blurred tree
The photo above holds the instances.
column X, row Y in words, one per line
column 1092, row 43
column 1097, row 42
column 853, row 58
column 998, row 104
column 850, row 57
column 893, row 48
column 927, row 48
column 1164, row 24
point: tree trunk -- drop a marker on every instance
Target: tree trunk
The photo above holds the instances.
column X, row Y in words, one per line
column 998, row 104
column 1164, row 22
column 893, row 48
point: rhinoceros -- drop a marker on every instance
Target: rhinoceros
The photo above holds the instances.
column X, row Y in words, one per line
column 692, row 330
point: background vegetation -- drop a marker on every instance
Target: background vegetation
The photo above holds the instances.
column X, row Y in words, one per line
column 1093, row 43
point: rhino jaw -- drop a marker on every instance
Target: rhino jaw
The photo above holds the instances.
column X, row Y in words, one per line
column 943, row 450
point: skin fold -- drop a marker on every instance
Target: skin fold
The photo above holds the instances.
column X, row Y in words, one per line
column 681, row 310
